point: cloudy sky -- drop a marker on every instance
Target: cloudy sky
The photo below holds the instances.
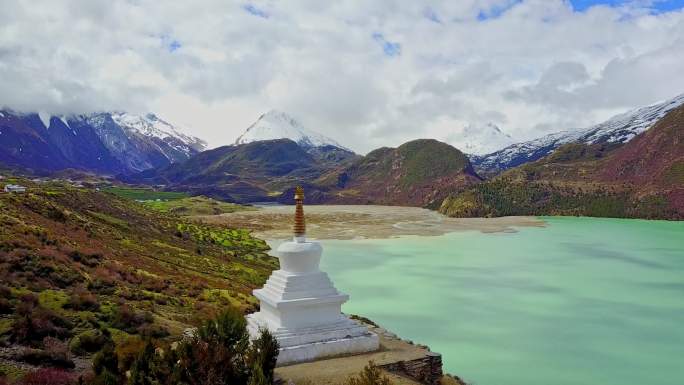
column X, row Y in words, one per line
column 367, row 73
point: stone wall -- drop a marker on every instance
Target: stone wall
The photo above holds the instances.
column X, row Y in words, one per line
column 426, row 370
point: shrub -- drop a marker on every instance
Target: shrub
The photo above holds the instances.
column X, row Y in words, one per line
column 83, row 300
column 263, row 355
column 370, row 375
column 90, row 341
column 6, row 306
column 5, row 292
column 143, row 369
column 219, row 354
column 33, row 323
column 88, row 259
column 153, row 331
column 129, row 320
column 42, row 357
column 48, row 376
column 106, row 359
column 56, row 348
column 127, row 351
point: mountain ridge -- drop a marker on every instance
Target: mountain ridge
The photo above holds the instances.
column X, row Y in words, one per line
column 615, row 131
column 105, row 142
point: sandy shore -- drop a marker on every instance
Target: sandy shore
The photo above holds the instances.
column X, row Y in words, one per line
column 354, row 222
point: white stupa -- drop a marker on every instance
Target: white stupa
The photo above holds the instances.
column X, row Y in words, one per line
column 302, row 308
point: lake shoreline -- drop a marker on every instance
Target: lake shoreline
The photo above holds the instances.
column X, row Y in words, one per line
column 349, row 222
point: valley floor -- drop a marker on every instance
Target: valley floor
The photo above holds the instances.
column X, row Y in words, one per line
column 354, row 222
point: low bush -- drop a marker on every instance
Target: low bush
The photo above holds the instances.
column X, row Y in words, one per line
column 41, row 357
column 48, row 376
column 153, row 331
column 90, row 341
column 127, row 351
column 83, row 300
column 5, row 292
column 219, row 354
column 88, row 259
column 6, row 306
column 129, row 320
column 33, row 323
column 370, row 375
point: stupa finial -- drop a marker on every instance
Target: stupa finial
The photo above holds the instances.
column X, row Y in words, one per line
column 300, row 224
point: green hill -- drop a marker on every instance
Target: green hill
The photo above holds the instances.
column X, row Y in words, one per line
column 256, row 171
column 417, row 173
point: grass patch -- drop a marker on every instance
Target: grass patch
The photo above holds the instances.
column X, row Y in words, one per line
column 53, row 299
column 198, row 205
column 218, row 295
column 145, row 194
column 5, row 325
column 12, row 372
column 120, row 223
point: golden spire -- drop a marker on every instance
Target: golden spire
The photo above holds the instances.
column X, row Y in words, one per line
column 299, row 225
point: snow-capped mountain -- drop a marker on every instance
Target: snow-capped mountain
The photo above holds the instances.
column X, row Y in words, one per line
column 107, row 142
column 279, row 125
column 151, row 126
column 618, row 129
column 479, row 139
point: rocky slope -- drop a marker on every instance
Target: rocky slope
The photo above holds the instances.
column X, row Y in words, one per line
column 613, row 132
column 642, row 178
column 107, row 143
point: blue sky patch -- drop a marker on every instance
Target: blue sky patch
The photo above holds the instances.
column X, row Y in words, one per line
column 171, row 44
column 174, row 45
column 431, row 15
column 658, row 6
column 255, row 11
column 494, row 12
column 388, row 47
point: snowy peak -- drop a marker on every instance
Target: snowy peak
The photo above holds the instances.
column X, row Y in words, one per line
column 622, row 128
column 479, row 139
column 151, row 126
column 279, row 125
column 618, row 129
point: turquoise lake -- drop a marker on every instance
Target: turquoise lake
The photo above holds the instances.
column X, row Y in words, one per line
column 580, row 301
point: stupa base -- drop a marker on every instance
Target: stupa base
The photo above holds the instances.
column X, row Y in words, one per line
column 317, row 350
column 309, row 344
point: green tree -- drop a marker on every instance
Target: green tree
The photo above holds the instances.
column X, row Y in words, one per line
column 263, row 356
column 142, row 371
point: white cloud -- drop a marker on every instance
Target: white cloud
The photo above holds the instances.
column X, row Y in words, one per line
column 365, row 73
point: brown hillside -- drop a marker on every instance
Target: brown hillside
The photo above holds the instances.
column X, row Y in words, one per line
column 655, row 157
column 643, row 178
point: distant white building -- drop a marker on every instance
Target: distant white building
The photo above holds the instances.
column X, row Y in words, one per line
column 14, row 188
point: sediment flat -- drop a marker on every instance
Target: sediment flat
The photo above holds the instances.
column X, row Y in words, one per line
column 359, row 221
